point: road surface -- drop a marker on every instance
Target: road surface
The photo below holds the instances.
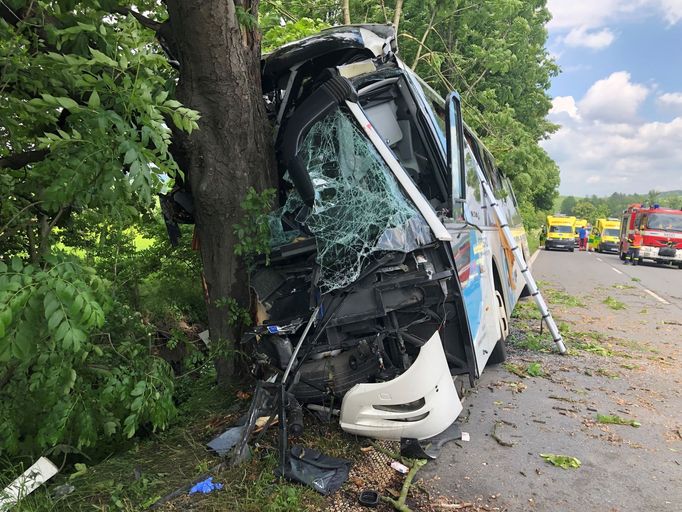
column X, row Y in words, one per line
column 623, row 362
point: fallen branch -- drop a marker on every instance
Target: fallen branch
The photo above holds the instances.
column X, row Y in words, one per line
column 497, row 438
column 415, row 465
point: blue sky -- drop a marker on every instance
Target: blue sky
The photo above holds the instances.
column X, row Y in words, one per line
column 619, row 97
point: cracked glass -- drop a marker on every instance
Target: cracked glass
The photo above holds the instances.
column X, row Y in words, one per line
column 359, row 207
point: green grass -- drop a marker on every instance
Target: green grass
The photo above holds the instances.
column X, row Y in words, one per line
column 614, row 304
column 533, row 238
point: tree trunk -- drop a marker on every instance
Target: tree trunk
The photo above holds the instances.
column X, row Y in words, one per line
column 397, row 14
column 232, row 150
column 345, row 7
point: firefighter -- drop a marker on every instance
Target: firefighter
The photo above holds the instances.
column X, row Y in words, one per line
column 635, row 242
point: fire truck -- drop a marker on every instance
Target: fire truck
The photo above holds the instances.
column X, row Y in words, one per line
column 661, row 229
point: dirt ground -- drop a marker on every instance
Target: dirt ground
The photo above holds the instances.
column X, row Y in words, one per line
column 623, row 365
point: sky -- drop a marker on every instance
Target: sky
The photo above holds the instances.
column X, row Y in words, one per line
column 618, row 98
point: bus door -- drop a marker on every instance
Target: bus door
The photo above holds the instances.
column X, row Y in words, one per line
column 470, row 244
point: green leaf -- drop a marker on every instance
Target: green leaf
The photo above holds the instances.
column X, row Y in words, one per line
column 102, row 58
column 614, row 419
column 139, row 388
column 5, row 318
column 562, row 461
column 130, row 156
column 67, row 103
column 16, row 264
column 55, row 319
column 93, row 102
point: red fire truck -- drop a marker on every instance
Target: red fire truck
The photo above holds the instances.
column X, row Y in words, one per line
column 661, row 229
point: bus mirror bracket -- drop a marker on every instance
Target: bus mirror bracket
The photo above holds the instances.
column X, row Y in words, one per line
column 455, row 145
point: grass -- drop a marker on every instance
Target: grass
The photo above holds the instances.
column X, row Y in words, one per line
column 154, row 467
column 614, row 304
column 533, row 238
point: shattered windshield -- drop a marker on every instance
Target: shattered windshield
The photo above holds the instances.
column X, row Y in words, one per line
column 359, row 207
column 665, row 221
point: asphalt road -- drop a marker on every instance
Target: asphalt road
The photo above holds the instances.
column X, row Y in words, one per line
column 580, row 271
column 626, row 362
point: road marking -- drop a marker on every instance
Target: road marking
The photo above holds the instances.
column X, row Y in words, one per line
column 616, row 270
column 599, row 259
column 533, row 257
column 659, row 299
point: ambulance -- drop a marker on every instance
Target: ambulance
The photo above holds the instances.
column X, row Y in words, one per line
column 607, row 235
column 560, row 232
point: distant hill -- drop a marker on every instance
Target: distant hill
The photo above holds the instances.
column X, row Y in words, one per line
column 669, row 193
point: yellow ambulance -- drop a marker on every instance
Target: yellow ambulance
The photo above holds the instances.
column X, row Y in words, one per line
column 607, row 232
column 559, row 232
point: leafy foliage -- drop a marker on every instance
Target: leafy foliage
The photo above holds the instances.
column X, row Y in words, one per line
column 562, row 461
column 59, row 364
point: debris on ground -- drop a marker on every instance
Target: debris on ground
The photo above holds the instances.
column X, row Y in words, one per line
column 496, row 436
column 562, row 461
column 321, row 472
column 27, row 482
column 206, row 486
column 613, row 419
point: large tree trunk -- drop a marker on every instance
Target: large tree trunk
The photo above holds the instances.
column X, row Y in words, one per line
column 231, row 151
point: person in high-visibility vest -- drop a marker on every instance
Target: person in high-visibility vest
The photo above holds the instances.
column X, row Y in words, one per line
column 635, row 242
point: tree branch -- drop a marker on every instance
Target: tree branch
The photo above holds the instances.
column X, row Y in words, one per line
column 147, row 22
column 19, row 160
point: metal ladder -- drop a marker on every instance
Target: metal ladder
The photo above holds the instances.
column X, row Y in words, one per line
column 525, row 271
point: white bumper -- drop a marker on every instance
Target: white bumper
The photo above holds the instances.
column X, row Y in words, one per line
column 420, row 403
column 653, row 253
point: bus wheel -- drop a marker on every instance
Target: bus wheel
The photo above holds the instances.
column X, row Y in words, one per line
column 499, row 353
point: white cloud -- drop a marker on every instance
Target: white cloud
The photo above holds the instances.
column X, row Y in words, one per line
column 598, row 155
column 671, row 100
column 672, row 10
column 566, row 104
column 613, row 99
column 595, row 39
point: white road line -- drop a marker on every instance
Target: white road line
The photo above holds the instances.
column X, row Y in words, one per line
column 599, row 259
column 616, row 270
column 659, row 299
column 533, row 257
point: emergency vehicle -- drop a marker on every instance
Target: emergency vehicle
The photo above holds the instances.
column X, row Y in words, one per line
column 559, row 232
column 661, row 229
column 607, row 232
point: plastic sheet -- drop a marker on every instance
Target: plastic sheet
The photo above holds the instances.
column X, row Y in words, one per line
column 359, row 207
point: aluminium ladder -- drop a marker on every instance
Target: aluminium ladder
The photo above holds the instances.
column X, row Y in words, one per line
column 525, row 271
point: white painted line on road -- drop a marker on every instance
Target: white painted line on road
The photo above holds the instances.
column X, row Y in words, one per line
column 616, row 270
column 599, row 259
column 659, row 299
column 533, row 257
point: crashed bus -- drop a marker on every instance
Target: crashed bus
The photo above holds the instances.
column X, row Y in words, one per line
column 388, row 275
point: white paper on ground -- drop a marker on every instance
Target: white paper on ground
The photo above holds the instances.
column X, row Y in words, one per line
column 27, row 482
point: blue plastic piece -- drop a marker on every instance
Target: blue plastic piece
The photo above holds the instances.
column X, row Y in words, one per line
column 206, row 486
column 273, row 329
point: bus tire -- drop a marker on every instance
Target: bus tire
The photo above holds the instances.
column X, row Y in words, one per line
column 499, row 353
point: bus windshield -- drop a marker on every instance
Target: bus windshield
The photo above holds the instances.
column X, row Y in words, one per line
column 560, row 229
column 665, row 221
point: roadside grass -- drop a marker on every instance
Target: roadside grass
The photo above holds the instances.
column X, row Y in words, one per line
column 533, row 237
column 614, row 304
column 154, row 467
column 623, row 287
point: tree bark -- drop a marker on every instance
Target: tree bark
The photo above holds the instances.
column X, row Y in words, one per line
column 396, row 15
column 232, row 150
column 345, row 7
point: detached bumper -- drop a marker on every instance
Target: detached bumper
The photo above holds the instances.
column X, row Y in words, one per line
column 420, row 403
column 560, row 244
